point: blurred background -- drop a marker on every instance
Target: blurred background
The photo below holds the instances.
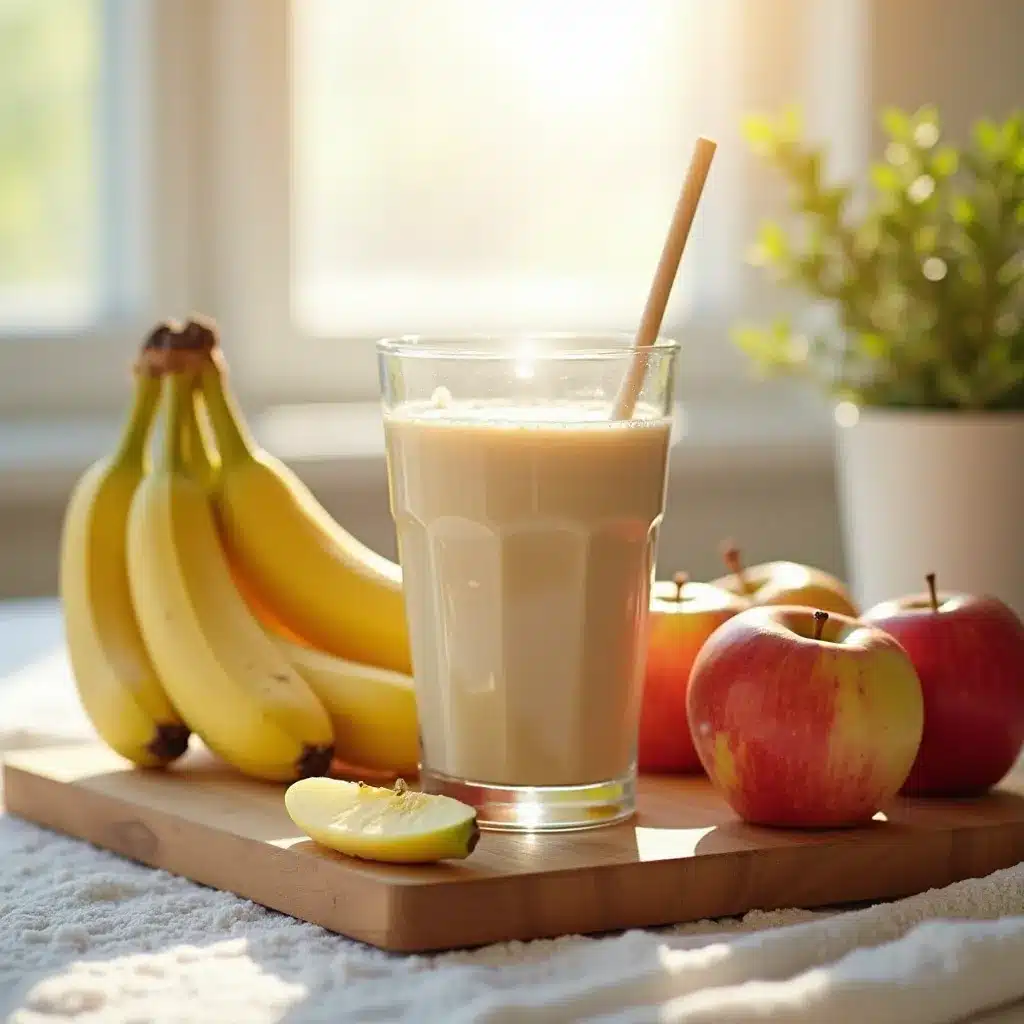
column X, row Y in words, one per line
column 319, row 173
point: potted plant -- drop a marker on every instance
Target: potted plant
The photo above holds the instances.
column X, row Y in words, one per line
column 916, row 330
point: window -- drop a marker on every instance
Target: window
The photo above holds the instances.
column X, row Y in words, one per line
column 318, row 173
column 50, row 110
column 70, row 224
column 485, row 166
column 475, row 165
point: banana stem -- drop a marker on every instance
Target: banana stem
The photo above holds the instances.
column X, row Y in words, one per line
column 202, row 462
column 177, row 409
column 233, row 439
column 131, row 448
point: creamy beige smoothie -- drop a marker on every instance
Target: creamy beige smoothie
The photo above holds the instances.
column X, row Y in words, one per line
column 527, row 536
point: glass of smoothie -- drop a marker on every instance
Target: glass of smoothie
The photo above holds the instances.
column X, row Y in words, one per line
column 527, row 515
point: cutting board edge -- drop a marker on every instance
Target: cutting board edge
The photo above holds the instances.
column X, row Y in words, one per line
column 635, row 909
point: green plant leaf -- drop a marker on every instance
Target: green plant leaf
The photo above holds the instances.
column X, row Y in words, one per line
column 811, row 173
column 987, row 136
column 962, row 210
column 771, row 247
column 791, row 125
column 832, row 201
column 886, row 178
column 759, row 132
column 1008, row 136
column 874, row 346
column 774, row 348
column 945, row 162
column 1011, row 271
column 896, row 124
column 926, row 238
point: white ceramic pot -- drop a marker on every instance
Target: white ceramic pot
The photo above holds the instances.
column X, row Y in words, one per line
column 933, row 492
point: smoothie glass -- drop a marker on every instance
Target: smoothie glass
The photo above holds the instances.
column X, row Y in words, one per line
column 527, row 522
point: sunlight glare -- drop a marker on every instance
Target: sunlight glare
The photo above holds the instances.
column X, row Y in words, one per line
column 525, row 366
column 286, row 842
column 669, row 843
column 771, row 999
column 530, row 815
column 576, row 50
column 114, row 988
column 675, row 960
column 847, row 414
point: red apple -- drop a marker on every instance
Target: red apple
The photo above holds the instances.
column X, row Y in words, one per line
column 804, row 719
column 682, row 616
column 969, row 655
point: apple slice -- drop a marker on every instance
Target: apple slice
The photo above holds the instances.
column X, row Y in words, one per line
column 789, row 583
column 397, row 825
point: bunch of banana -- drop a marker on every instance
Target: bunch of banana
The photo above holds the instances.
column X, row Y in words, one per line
column 226, row 654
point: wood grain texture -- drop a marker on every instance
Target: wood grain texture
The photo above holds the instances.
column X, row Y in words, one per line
column 684, row 857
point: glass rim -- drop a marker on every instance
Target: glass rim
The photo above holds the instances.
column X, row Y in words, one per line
column 481, row 346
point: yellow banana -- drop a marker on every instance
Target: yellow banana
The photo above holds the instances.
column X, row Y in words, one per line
column 204, row 463
column 231, row 684
column 317, row 579
column 373, row 710
column 116, row 680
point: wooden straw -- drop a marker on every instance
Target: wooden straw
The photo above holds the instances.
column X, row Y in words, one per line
column 665, row 276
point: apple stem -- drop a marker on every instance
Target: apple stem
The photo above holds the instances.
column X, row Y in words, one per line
column 932, row 591
column 680, row 580
column 820, row 618
column 731, row 555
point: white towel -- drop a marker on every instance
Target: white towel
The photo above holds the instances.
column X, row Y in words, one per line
column 87, row 937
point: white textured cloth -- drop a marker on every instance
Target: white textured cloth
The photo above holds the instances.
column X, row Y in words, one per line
column 88, row 937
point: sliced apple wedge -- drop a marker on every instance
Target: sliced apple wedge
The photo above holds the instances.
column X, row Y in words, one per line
column 397, row 825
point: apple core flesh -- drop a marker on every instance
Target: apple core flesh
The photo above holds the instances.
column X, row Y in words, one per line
column 798, row 731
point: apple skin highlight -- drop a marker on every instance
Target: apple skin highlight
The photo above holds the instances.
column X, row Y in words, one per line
column 800, row 732
column 969, row 655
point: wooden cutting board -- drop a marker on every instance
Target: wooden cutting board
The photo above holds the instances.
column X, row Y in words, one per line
column 684, row 857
